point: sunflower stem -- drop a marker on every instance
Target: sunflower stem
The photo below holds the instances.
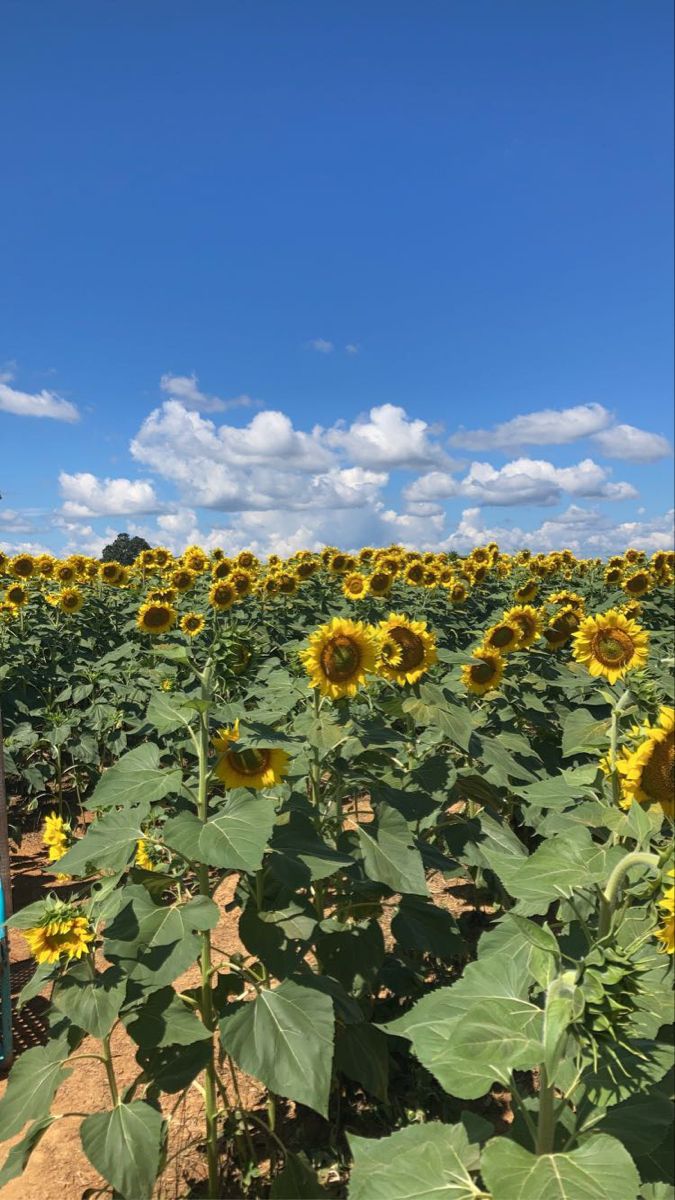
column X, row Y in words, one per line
column 613, row 743
column 609, row 897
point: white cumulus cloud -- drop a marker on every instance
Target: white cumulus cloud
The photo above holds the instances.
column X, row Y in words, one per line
column 634, row 445
column 86, row 496
column 36, row 404
column 387, row 437
column 186, row 389
column 547, row 427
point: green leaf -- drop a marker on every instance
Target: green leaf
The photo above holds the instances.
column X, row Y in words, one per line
column 167, row 712
column 558, row 866
column 420, row 1162
column 389, row 855
column 164, row 1020
column 303, row 856
column 125, row 1146
column 235, row 838
column 109, row 844
column 362, row 1053
column 583, row 733
column 154, row 943
column 564, row 1004
column 539, row 935
column 172, row 1068
column 32, row 1084
column 17, row 1159
column 640, row 1123
column 425, row 928
column 136, row 777
column 601, row 1169
column 297, row 1181
column 284, row 1038
column 90, row 999
column 478, row 1030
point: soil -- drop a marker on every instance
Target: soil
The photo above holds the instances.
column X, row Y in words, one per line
column 58, row 1168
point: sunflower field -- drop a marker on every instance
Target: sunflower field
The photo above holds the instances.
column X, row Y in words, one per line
column 426, row 801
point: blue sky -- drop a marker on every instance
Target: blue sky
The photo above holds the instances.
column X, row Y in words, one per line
column 263, row 262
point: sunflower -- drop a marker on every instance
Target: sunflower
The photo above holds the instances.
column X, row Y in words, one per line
column 192, row 623
column 242, row 581
column 529, row 621
column 417, row 645
column 70, row 601
column 485, row 674
column 247, row 768
column 146, row 559
column 62, row 933
column 221, row 568
column 166, row 594
column 55, row 831
column 568, row 598
column 22, row 566
column 632, row 609
column 156, row 617
column 65, row 572
column 182, row 579
column 194, row 559
column 222, row 596
column 414, row 574
column 339, row 656
column 111, row 573
column 247, row 560
column 458, row 593
column 163, row 556
column 637, row 584
column 613, row 575
column 355, row 586
column 287, row 583
column 16, row 595
column 527, row 591
column 610, row 644
column 390, row 654
column 561, row 627
column 379, row 583
column 666, row 934
column 306, row 568
column 503, row 637
column 142, row 858
column 648, row 772
column 45, row 565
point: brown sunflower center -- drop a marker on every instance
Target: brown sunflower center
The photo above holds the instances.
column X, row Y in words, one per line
column 636, row 585
column 658, row 776
column 70, row 601
column 340, row 658
column 482, row 672
column 412, row 647
column 379, row 582
column 501, row 636
column 415, row 573
column 249, row 762
column 613, row 647
column 155, row 617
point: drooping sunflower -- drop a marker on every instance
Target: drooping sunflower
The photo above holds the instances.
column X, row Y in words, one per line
column 637, row 584
column 666, row 934
column 355, row 585
column 62, row 933
column 249, row 768
column 156, row 617
column 16, row 595
column 142, row 858
column 485, row 673
column 192, row 623
column 504, row 637
column 648, row 772
column 71, row 600
column 529, row 620
column 561, row 627
column 613, row 576
column 417, row 646
column 222, row 595
column 339, row 656
column 610, row 645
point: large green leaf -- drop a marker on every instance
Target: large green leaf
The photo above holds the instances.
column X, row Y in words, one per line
column 164, row 1020
column 154, row 943
column 125, row 1146
column 91, row 999
column 17, row 1159
column 362, row 1053
column 31, row 1087
column 167, row 712
column 389, row 855
column 601, row 1169
column 108, row 844
column 284, row 1038
column 297, row 1181
column 137, row 777
column 478, row 1030
column 301, row 856
column 420, row 1162
column 558, row 866
column 424, row 927
column 235, row 837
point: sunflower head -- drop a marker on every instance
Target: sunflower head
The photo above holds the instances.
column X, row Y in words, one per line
column 16, row 595
column 527, row 591
column 485, row 673
column 111, row 573
column 416, row 645
column 45, row 565
column 156, row 617
column 339, row 656
column 355, row 586
column 63, row 933
column 647, row 771
column 379, row 583
column 636, row 584
column 610, row 645
column 613, row 575
column 182, row 579
column 529, row 621
column 561, row 627
column 458, row 593
column 249, row 768
column 504, row 637
column 221, row 568
column 22, row 566
column 194, row 559
column 222, row 595
column 414, row 573
column 242, row 581
column 71, row 600
column 65, row 572
column 192, row 623
column 247, row 560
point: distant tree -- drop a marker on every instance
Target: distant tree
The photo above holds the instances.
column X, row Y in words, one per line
column 124, row 549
